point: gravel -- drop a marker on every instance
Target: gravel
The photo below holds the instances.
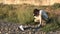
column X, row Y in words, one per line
column 12, row 28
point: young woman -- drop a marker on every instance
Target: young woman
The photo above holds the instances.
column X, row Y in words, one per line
column 39, row 15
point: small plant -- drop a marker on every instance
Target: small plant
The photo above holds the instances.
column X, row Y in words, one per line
column 56, row 5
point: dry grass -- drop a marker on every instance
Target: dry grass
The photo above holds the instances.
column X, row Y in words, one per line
column 24, row 14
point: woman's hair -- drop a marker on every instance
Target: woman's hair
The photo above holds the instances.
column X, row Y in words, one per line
column 36, row 12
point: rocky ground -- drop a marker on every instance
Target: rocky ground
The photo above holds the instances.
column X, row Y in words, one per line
column 12, row 28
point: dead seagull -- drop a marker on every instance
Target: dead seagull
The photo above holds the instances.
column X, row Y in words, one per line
column 21, row 27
